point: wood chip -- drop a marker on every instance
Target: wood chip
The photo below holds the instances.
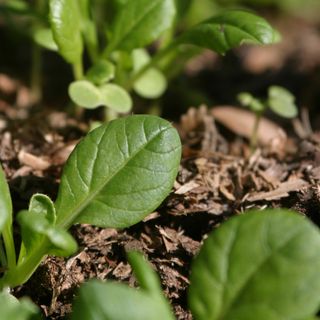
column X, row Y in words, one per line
column 281, row 192
column 34, row 162
column 242, row 122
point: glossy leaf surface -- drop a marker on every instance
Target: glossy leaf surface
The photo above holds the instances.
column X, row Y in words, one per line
column 228, row 30
column 260, row 265
column 65, row 22
column 119, row 173
column 140, row 22
column 5, row 201
column 114, row 301
column 282, row 102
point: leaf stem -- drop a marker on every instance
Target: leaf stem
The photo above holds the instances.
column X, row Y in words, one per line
column 254, row 135
column 7, row 235
column 77, row 70
column 153, row 62
column 22, row 272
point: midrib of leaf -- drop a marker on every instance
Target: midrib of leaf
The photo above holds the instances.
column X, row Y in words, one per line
column 135, row 25
column 242, row 288
column 67, row 222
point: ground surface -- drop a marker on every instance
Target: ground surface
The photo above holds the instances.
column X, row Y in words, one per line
column 219, row 176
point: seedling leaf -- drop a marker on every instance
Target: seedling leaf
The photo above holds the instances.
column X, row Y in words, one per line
column 247, row 100
column 42, row 204
column 152, row 83
column 115, row 301
column 119, row 173
column 102, row 72
column 35, row 228
column 258, row 266
column 85, row 94
column 5, row 202
column 12, row 308
column 230, row 29
column 115, row 97
column 140, row 22
column 65, row 22
column 282, row 102
column 44, row 38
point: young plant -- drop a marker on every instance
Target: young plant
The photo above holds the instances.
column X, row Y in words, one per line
column 279, row 100
column 260, row 265
column 120, row 61
column 116, row 175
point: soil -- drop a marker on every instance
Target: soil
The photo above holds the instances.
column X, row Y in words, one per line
column 220, row 176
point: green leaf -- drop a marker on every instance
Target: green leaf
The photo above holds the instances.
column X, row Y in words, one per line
column 260, row 265
column 12, row 308
column 65, row 22
column 35, row 228
column 5, row 202
column 152, row 83
column 247, row 100
column 282, row 102
column 140, row 22
column 101, row 72
column 228, row 30
column 115, row 97
column 119, row 173
column 114, row 301
column 85, row 94
column 43, row 37
column 42, row 204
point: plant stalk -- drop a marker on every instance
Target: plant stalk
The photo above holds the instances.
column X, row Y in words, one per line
column 152, row 63
column 22, row 272
column 7, row 235
column 254, row 135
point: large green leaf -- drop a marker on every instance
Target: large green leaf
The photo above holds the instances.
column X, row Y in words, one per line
column 114, row 301
column 261, row 265
column 140, row 22
column 5, row 202
column 65, row 22
column 119, row 173
column 230, row 29
column 12, row 308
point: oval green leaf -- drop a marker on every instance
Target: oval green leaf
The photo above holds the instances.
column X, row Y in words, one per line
column 36, row 228
column 5, row 202
column 85, row 94
column 65, row 22
column 115, row 97
column 261, row 265
column 230, row 29
column 44, row 38
column 152, row 83
column 101, row 72
column 140, row 22
column 119, row 173
column 282, row 102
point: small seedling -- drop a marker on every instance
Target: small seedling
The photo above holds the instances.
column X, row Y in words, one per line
column 116, row 175
column 279, row 100
column 259, row 265
column 115, row 36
